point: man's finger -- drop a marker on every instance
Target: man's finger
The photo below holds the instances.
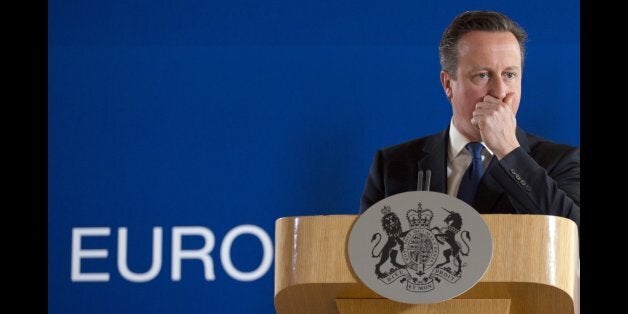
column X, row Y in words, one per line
column 490, row 99
column 509, row 98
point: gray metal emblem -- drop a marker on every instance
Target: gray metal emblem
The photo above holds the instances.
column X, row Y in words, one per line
column 417, row 247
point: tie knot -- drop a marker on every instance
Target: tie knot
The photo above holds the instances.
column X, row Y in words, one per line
column 476, row 149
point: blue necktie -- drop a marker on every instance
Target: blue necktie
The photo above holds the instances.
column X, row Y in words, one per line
column 471, row 179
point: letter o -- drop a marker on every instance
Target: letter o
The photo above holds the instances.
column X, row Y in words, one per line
column 225, row 252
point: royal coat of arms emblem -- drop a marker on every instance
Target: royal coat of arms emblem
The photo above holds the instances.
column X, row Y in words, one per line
column 427, row 255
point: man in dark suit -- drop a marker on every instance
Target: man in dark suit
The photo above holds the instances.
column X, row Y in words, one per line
column 481, row 56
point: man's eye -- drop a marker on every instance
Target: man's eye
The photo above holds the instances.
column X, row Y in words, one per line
column 511, row 75
column 483, row 75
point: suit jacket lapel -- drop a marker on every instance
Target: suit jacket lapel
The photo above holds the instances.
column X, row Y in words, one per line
column 489, row 191
column 434, row 158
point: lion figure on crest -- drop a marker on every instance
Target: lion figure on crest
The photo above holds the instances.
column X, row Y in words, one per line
column 392, row 226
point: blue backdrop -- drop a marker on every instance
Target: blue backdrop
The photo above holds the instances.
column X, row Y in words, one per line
column 180, row 129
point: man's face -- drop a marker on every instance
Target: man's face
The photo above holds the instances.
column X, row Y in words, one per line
column 489, row 63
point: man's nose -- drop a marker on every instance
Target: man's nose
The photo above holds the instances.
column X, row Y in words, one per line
column 498, row 88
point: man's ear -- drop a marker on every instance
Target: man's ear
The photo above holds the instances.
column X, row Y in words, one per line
column 445, row 80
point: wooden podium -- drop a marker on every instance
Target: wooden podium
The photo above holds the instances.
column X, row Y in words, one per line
column 534, row 269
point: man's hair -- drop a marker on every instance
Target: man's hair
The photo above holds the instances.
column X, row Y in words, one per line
column 469, row 21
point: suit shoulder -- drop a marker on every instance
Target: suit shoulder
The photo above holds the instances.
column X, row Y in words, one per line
column 409, row 148
column 541, row 146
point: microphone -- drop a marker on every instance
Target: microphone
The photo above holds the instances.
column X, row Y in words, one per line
column 422, row 185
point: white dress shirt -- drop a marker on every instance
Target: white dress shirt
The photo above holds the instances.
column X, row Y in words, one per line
column 459, row 159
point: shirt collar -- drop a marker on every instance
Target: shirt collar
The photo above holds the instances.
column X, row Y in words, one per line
column 457, row 142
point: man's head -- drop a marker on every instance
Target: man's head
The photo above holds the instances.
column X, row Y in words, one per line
column 469, row 21
column 481, row 55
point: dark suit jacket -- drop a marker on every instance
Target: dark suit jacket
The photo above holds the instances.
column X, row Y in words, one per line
column 539, row 177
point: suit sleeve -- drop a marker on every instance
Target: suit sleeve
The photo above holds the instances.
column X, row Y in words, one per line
column 553, row 190
column 374, row 190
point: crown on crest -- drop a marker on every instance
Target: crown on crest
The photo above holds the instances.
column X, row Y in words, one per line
column 413, row 216
column 420, row 218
